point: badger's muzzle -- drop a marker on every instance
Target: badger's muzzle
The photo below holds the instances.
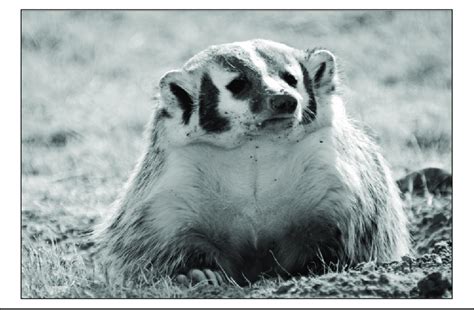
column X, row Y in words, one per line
column 283, row 104
column 279, row 112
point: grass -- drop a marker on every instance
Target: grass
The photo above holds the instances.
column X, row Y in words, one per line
column 87, row 80
column 66, row 269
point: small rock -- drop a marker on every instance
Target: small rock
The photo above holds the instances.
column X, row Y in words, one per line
column 372, row 275
column 383, row 279
column 441, row 247
column 425, row 257
column 433, row 285
column 370, row 266
column 332, row 278
column 437, row 259
column 439, row 219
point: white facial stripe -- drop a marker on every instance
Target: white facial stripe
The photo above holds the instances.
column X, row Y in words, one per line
column 221, row 77
column 276, row 85
column 256, row 59
column 272, row 84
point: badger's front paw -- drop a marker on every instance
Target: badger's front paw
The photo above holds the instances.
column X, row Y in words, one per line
column 195, row 276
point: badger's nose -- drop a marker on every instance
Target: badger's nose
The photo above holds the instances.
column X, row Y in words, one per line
column 283, row 104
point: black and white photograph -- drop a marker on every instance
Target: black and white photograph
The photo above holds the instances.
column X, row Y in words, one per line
column 243, row 154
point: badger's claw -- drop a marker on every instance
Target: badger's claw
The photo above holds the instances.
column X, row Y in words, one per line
column 195, row 276
column 182, row 279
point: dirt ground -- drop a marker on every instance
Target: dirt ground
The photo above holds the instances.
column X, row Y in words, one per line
column 426, row 273
column 87, row 80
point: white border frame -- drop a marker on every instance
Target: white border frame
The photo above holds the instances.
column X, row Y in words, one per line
column 463, row 56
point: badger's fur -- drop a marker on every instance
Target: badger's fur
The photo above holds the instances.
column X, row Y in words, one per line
column 252, row 167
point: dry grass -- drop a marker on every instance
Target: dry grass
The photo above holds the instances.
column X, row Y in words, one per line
column 88, row 77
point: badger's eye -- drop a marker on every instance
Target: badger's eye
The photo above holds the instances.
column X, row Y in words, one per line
column 289, row 78
column 238, row 85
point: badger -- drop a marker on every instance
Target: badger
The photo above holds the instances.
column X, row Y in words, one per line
column 252, row 168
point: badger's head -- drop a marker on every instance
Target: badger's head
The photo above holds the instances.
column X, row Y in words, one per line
column 232, row 93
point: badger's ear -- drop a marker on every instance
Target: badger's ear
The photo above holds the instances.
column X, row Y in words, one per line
column 176, row 91
column 321, row 66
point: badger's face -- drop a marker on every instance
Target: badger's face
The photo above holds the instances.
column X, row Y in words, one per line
column 233, row 93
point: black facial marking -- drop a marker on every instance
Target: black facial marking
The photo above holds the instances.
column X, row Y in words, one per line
column 238, row 85
column 209, row 117
column 241, row 64
column 252, row 89
column 309, row 114
column 289, row 79
column 256, row 103
column 184, row 100
column 319, row 73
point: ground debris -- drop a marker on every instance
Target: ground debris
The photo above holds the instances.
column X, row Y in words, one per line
column 434, row 285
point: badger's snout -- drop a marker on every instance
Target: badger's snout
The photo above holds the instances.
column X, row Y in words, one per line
column 279, row 112
column 283, row 104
